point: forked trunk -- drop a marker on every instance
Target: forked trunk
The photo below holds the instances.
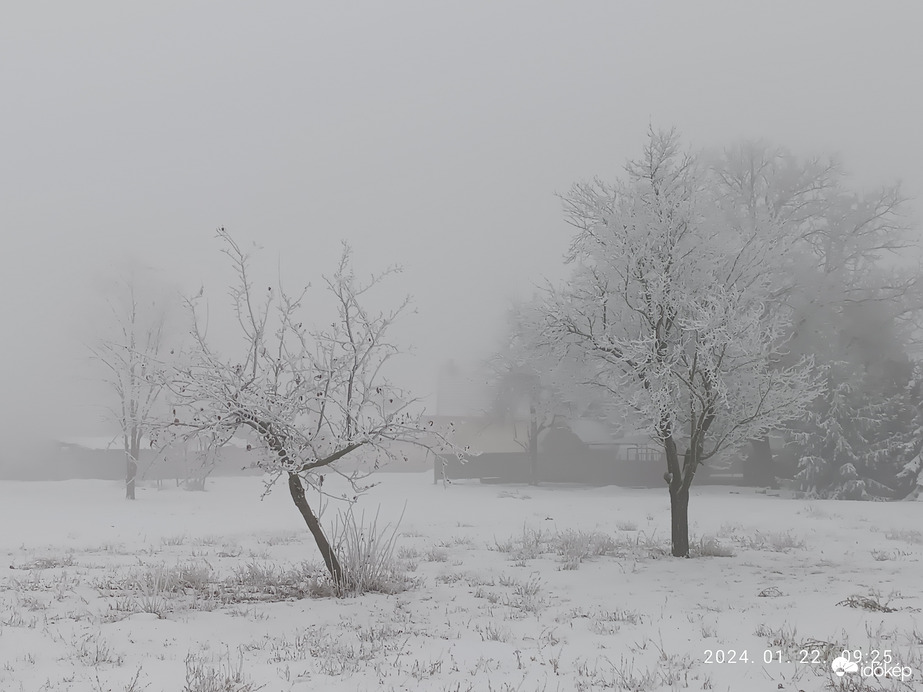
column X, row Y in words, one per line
column 679, row 498
column 679, row 520
column 296, row 488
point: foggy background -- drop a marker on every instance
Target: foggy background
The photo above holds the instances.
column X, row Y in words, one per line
column 432, row 135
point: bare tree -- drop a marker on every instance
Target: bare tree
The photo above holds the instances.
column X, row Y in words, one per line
column 533, row 389
column 131, row 359
column 670, row 302
column 308, row 398
column 199, row 457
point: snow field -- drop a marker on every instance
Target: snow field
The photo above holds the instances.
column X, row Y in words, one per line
column 497, row 588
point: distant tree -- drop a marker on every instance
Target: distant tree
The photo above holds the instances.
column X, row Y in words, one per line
column 674, row 307
column 853, row 310
column 533, row 390
column 131, row 355
column 861, row 328
column 200, row 456
column 764, row 189
column 308, row 398
column 857, row 440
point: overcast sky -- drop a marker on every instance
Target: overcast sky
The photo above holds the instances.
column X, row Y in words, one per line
column 430, row 134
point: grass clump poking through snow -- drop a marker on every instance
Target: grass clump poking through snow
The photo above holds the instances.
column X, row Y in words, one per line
column 531, row 544
column 776, row 541
column 155, row 585
column 908, row 535
column 367, row 554
column 576, row 546
column 573, row 547
column 47, row 562
column 872, row 602
column 223, row 676
column 709, row 546
column 160, row 589
column 255, row 581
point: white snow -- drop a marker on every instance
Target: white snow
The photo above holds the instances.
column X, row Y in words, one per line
column 494, row 606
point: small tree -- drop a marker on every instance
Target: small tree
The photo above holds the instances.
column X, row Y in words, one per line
column 199, row 458
column 131, row 359
column 307, row 398
column 673, row 305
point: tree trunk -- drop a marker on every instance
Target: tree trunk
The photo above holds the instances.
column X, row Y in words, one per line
column 758, row 465
column 131, row 465
column 679, row 520
column 301, row 502
column 679, row 499
column 131, row 471
column 533, row 450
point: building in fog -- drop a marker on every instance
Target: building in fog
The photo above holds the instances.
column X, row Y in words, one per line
column 580, row 451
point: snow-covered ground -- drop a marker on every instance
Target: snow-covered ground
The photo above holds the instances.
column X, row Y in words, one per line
column 512, row 588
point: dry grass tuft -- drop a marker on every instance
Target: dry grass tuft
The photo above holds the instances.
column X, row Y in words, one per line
column 709, row 546
column 224, row 675
column 367, row 555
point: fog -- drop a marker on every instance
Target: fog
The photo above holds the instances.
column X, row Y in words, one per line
column 429, row 135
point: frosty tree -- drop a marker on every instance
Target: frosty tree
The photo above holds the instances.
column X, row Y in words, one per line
column 862, row 335
column 766, row 190
column 309, row 397
column 131, row 358
column 851, row 308
column 672, row 302
column 859, row 438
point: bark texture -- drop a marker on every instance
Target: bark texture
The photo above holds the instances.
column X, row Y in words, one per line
column 679, row 521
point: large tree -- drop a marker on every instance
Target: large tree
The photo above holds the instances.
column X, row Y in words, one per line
column 766, row 190
column 853, row 309
column 131, row 355
column 673, row 303
column 308, row 397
